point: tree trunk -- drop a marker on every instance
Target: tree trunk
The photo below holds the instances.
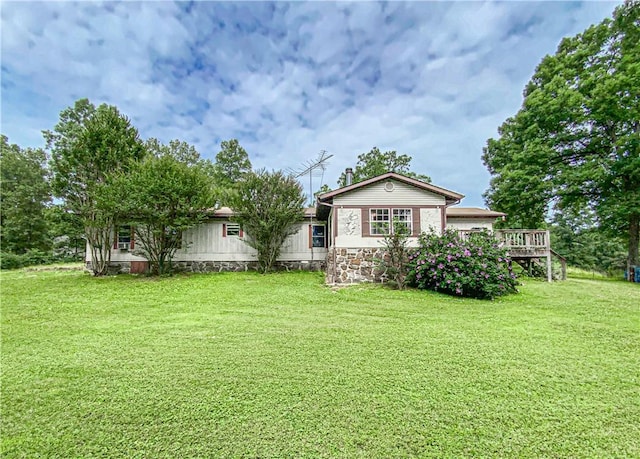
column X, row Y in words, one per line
column 634, row 237
column 99, row 239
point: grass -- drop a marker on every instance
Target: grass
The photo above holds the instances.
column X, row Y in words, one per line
column 245, row 365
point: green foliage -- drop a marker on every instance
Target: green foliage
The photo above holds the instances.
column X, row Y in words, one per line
column 24, row 193
column 87, row 146
column 232, row 165
column 66, row 232
column 575, row 143
column 244, row 365
column 323, row 189
column 377, row 163
column 395, row 262
column 162, row 196
column 586, row 246
column 474, row 267
column 268, row 206
column 31, row 257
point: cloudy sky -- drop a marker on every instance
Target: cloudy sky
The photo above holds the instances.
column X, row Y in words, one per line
column 433, row 80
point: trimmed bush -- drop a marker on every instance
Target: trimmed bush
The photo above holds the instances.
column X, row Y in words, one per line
column 474, row 267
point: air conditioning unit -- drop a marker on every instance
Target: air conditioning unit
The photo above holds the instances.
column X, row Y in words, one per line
column 123, row 245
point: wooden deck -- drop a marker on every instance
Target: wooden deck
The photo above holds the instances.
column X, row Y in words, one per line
column 527, row 246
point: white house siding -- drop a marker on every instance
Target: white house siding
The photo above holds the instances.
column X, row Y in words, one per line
column 431, row 220
column 349, row 230
column 205, row 242
column 401, row 195
column 469, row 223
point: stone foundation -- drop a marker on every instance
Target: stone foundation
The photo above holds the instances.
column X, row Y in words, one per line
column 124, row 267
column 350, row 266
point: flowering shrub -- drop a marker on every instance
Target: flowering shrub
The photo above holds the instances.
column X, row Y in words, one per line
column 473, row 267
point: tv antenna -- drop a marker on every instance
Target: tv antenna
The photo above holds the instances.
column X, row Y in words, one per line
column 312, row 167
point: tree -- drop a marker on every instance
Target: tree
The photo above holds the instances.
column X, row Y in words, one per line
column 575, row 143
column 66, row 232
column 267, row 205
column 232, row 163
column 161, row 196
column 87, row 145
column 585, row 245
column 377, row 163
column 24, row 193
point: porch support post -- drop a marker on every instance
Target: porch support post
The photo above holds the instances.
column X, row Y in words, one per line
column 548, row 249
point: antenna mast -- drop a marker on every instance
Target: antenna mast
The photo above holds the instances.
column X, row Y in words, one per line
column 311, row 167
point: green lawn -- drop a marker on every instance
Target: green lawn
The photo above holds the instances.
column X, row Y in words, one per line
column 245, row 365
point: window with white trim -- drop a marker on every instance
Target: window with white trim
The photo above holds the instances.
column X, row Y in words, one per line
column 402, row 217
column 381, row 220
column 124, row 237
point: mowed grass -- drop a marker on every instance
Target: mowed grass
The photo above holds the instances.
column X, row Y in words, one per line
column 246, row 365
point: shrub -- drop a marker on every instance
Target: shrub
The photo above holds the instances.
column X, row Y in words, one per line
column 395, row 260
column 474, row 267
column 10, row 260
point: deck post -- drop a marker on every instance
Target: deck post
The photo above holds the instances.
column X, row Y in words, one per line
column 548, row 250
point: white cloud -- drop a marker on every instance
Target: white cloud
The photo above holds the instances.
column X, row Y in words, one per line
column 432, row 80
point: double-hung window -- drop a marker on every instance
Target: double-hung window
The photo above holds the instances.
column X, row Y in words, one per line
column 124, row 238
column 379, row 222
column 402, row 219
column 318, row 236
column 382, row 221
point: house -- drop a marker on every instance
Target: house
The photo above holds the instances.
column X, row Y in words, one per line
column 359, row 215
column 343, row 234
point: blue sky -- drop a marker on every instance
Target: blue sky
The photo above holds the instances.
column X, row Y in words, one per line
column 433, row 80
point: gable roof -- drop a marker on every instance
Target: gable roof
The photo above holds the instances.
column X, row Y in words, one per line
column 450, row 196
column 473, row 212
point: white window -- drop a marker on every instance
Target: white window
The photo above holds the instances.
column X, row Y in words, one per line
column 382, row 220
column 402, row 217
column 379, row 222
column 124, row 241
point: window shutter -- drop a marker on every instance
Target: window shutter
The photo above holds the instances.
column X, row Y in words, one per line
column 415, row 216
column 132, row 244
column 241, row 232
column 115, row 238
column 224, row 230
column 366, row 230
column 310, row 236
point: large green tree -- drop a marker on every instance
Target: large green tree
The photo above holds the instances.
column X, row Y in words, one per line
column 87, row 145
column 268, row 205
column 575, row 143
column 232, row 163
column 161, row 196
column 24, row 194
column 376, row 163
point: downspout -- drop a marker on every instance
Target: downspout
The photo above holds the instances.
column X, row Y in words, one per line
column 444, row 213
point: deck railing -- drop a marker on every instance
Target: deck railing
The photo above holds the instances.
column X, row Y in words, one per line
column 521, row 239
column 524, row 239
column 525, row 245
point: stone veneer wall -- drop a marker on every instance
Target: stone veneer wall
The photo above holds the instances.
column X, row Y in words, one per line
column 354, row 265
column 123, row 267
